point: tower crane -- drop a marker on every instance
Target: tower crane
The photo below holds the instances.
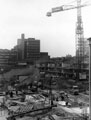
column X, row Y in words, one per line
column 79, row 33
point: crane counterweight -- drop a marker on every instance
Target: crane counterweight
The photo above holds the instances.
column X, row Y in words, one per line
column 48, row 14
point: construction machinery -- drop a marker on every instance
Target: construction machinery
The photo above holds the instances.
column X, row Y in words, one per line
column 79, row 33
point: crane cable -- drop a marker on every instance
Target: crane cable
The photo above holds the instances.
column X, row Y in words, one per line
column 70, row 2
column 87, row 2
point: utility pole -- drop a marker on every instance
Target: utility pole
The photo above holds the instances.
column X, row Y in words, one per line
column 89, row 78
column 51, row 97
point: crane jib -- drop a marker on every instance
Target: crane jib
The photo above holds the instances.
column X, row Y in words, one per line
column 57, row 9
column 63, row 8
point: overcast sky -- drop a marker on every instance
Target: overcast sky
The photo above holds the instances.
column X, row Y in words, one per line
column 56, row 33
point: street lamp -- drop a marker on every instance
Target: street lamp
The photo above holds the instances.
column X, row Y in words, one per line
column 89, row 78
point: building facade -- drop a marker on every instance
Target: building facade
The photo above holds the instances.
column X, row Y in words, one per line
column 44, row 56
column 4, row 56
column 28, row 49
column 7, row 58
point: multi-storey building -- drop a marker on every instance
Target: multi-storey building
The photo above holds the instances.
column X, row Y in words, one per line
column 4, row 56
column 12, row 57
column 7, row 58
column 28, row 49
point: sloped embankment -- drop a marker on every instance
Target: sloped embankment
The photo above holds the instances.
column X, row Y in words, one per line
column 27, row 75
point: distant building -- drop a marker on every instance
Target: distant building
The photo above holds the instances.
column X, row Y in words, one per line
column 44, row 56
column 4, row 56
column 12, row 57
column 28, row 49
column 7, row 58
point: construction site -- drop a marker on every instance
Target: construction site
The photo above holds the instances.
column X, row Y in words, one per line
column 44, row 104
column 25, row 95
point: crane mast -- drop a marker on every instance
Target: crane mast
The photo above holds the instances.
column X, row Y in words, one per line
column 79, row 40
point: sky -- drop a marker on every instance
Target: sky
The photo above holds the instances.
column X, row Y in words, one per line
column 56, row 33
